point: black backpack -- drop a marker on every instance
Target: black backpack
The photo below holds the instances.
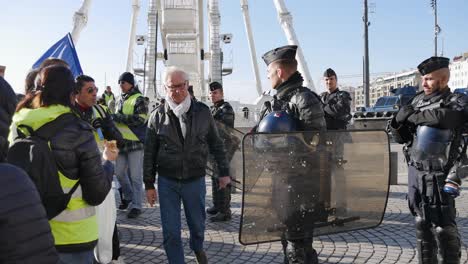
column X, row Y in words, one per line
column 33, row 154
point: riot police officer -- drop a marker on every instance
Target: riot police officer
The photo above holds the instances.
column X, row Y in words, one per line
column 337, row 109
column 223, row 113
column 336, row 103
column 431, row 127
column 305, row 107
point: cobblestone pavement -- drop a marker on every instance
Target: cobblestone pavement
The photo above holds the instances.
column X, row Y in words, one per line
column 392, row 242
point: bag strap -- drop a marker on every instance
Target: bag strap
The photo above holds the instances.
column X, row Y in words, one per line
column 50, row 129
column 100, row 110
column 73, row 189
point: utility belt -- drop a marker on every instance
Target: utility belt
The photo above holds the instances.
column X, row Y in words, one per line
column 427, row 165
column 436, row 206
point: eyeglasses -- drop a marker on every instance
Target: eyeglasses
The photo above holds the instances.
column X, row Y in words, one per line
column 176, row 87
column 92, row 89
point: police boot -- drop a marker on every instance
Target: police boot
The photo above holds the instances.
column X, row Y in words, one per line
column 311, row 256
column 223, row 203
column 302, row 252
column 448, row 244
column 221, row 216
column 201, row 257
column 424, row 242
column 212, row 210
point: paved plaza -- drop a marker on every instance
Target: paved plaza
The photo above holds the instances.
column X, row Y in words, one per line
column 392, row 242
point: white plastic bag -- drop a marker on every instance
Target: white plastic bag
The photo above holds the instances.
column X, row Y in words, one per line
column 106, row 214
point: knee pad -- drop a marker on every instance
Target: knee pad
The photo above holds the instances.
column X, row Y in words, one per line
column 449, row 245
column 421, row 224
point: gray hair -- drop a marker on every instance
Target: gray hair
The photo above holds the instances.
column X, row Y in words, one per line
column 172, row 70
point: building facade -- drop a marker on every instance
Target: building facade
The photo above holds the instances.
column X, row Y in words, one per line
column 459, row 72
column 382, row 86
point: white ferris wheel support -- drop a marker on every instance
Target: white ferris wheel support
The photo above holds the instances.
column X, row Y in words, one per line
column 285, row 19
column 132, row 36
column 250, row 40
column 80, row 19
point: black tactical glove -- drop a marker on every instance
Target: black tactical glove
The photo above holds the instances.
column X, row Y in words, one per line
column 97, row 123
column 404, row 113
column 117, row 117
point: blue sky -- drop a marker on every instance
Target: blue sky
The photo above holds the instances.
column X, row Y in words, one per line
column 330, row 33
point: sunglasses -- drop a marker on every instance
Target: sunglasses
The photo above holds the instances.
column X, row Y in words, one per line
column 92, row 89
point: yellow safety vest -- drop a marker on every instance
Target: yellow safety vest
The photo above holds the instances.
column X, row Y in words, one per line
column 77, row 224
column 108, row 97
column 99, row 111
column 129, row 109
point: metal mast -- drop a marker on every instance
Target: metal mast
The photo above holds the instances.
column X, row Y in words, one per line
column 250, row 39
column 436, row 26
column 285, row 19
column 131, row 39
column 366, row 56
column 80, row 19
column 214, row 21
column 201, row 64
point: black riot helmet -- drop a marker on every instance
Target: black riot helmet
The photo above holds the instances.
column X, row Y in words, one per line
column 432, row 145
column 277, row 122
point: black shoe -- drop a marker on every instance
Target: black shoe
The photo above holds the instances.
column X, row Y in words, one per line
column 212, row 210
column 124, row 204
column 201, row 257
column 221, row 217
column 134, row 213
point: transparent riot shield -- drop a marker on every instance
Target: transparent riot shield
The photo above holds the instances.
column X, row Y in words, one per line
column 232, row 139
column 299, row 185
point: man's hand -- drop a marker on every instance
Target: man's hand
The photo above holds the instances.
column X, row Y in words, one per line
column 224, row 181
column 110, row 150
column 152, row 196
column 404, row 113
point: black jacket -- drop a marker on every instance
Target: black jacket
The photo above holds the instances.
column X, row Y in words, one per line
column 222, row 111
column 301, row 102
column 170, row 155
column 25, row 235
column 337, row 108
column 78, row 157
column 450, row 112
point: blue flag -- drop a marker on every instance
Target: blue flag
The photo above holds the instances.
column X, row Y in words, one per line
column 64, row 49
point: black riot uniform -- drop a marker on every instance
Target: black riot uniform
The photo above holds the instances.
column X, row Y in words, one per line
column 305, row 107
column 222, row 112
column 431, row 127
column 336, row 104
column 337, row 108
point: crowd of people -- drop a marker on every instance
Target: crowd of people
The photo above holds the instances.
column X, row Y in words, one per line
column 78, row 142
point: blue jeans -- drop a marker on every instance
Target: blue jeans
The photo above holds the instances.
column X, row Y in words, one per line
column 192, row 195
column 83, row 257
column 132, row 185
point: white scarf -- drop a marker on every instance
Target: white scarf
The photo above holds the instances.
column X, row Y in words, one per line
column 179, row 110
